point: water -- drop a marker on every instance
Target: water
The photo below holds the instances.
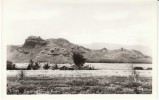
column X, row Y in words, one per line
column 117, row 66
column 99, row 66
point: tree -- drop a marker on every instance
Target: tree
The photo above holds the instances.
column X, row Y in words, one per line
column 29, row 67
column 78, row 59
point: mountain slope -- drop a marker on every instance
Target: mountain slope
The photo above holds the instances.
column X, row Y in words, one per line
column 144, row 49
column 60, row 51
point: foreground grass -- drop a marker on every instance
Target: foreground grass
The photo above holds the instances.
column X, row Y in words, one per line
column 79, row 85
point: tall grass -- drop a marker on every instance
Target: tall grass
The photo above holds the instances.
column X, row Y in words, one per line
column 136, row 80
column 137, row 76
column 21, row 75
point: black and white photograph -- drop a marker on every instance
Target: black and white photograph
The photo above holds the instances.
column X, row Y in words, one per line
column 79, row 47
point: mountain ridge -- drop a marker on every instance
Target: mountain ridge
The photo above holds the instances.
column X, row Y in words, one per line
column 144, row 49
column 60, row 51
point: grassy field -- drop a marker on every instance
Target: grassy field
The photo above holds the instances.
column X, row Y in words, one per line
column 101, row 81
column 78, row 85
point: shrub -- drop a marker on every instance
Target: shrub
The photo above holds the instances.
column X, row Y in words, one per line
column 132, row 84
column 138, row 68
column 96, row 90
column 85, row 88
column 10, row 65
column 74, row 66
column 21, row 89
column 10, row 89
column 71, row 68
column 36, row 66
column 149, row 69
column 87, row 67
column 46, row 66
column 78, row 59
column 119, row 89
column 64, row 68
column 29, row 67
column 21, row 75
column 136, row 91
column 81, row 82
column 55, row 67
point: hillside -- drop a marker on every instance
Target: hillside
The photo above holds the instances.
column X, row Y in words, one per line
column 144, row 49
column 60, row 51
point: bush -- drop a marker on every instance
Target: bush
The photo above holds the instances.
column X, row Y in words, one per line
column 21, row 75
column 55, row 67
column 78, row 59
column 74, row 66
column 64, row 68
column 10, row 65
column 81, row 82
column 149, row 69
column 132, row 84
column 21, row 90
column 87, row 67
column 36, row 66
column 119, row 89
column 46, row 66
column 71, row 68
column 138, row 68
column 29, row 67
column 97, row 90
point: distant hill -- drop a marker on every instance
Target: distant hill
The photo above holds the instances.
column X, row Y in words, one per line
column 145, row 50
column 60, row 51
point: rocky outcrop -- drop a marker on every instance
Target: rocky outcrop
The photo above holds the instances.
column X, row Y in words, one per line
column 32, row 41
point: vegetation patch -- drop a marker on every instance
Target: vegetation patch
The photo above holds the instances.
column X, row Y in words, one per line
column 79, row 85
column 138, row 68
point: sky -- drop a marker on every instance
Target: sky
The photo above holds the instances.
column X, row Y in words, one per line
column 125, row 22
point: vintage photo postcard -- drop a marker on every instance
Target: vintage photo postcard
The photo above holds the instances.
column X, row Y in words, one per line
column 79, row 49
